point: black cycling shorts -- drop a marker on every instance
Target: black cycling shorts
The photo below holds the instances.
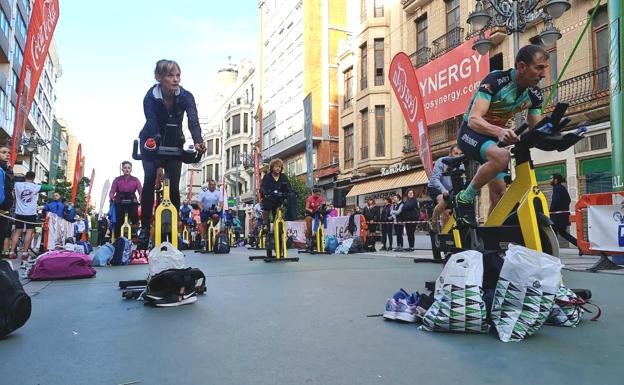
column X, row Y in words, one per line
column 474, row 145
column 272, row 203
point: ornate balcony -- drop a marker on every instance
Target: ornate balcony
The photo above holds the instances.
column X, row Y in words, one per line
column 421, row 57
column 447, row 42
column 582, row 92
column 411, row 6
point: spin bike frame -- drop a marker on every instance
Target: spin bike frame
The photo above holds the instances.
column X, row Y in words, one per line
column 279, row 237
column 318, row 229
column 523, row 209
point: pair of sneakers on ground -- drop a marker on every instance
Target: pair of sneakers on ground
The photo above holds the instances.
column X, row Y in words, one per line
column 404, row 307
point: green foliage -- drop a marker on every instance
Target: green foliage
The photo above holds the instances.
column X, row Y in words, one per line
column 302, row 191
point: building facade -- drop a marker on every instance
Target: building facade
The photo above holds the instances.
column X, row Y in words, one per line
column 14, row 19
column 428, row 31
column 298, row 46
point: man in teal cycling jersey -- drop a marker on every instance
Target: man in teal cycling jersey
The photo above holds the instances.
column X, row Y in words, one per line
column 500, row 95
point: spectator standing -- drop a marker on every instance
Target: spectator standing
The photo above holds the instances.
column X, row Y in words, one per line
column 560, row 203
column 410, row 214
column 396, row 214
column 7, row 198
column 386, row 228
column 371, row 213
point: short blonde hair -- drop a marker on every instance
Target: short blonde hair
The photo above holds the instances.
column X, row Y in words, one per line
column 276, row 161
column 164, row 66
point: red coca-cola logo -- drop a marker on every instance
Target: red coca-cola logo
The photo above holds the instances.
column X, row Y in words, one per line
column 409, row 101
column 42, row 36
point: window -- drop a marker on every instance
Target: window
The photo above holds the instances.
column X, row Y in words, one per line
column 452, row 22
column 227, row 128
column 380, row 130
column 209, row 172
column 21, row 25
column 245, row 122
column 291, row 168
column 4, row 24
column 19, row 55
column 363, row 65
column 363, row 10
column 235, row 155
column 600, row 32
column 209, row 147
column 364, row 137
column 227, row 158
column 245, row 148
column 348, row 90
column 217, row 146
column 3, row 99
column 236, row 124
column 216, row 174
column 348, row 146
column 299, row 166
column 421, row 32
column 379, row 8
column 379, row 62
column 15, row 81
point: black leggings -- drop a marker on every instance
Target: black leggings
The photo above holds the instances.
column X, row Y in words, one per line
column 410, row 229
column 172, row 170
column 386, row 234
column 398, row 231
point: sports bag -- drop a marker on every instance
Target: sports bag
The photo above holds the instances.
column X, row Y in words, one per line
column 222, row 244
column 86, row 245
column 172, row 286
column 15, row 304
column 123, row 250
column 568, row 309
column 62, row 264
column 103, row 255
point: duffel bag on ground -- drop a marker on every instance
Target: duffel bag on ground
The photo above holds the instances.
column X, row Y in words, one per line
column 62, row 264
column 222, row 244
column 123, row 252
column 175, row 287
column 15, row 304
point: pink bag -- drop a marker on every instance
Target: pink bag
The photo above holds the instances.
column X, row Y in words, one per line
column 139, row 257
column 62, row 264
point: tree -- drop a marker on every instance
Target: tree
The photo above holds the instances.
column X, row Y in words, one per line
column 302, row 191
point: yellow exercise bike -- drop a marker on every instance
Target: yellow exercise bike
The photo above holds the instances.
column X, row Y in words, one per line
column 276, row 240
column 521, row 216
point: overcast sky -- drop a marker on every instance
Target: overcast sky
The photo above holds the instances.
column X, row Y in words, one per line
column 108, row 50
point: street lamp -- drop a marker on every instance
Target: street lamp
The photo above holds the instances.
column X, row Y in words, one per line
column 31, row 146
column 514, row 15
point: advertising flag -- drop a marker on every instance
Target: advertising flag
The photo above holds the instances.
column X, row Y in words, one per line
column 77, row 173
column 405, row 86
column 44, row 16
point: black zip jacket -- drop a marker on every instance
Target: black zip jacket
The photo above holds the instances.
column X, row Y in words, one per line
column 269, row 184
column 410, row 210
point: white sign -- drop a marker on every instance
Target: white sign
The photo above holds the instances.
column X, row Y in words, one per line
column 395, row 169
column 336, row 226
column 606, row 228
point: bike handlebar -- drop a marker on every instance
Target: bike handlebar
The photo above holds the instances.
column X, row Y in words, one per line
column 173, row 153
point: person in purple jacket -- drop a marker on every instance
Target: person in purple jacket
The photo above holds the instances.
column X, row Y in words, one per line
column 123, row 192
column 164, row 106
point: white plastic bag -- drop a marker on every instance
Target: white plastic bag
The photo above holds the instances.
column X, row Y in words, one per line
column 458, row 299
column 163, row 257
column 525, row 292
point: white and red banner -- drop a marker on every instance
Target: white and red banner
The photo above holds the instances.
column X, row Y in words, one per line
column 448, row 83
column 43, row 20
column 77, row 173
column 89, row 194
column 405, row 85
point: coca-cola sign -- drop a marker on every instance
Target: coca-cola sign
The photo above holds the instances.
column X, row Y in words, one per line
column 43, row 19
column 405, row 86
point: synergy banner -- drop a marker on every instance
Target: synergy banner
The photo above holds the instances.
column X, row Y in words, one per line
column 405, row 85
column 43, row 20
column 447, row 83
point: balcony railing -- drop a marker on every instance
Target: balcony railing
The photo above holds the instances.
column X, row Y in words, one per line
column 364, row 153
column 447, row 42
column 408, row 144
column 421, row 57
column 581, row 89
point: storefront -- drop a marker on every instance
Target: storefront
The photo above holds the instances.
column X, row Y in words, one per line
column 392, row 180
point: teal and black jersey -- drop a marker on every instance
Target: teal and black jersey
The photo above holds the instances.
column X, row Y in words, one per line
column 500, row 89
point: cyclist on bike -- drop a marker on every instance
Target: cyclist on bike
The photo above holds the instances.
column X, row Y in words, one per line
column 211, row 203
column 164, row 106
column 500, row 95
column 123, row 193
column 313, row 205
column 274, row 189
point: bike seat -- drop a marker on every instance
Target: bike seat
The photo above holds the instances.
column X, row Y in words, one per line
column 454, row 163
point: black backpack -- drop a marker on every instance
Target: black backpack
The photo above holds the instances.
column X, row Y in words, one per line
column 171, row 285
column 357, row 246
column 222, row 243
column 15, row 304
column 118, row 254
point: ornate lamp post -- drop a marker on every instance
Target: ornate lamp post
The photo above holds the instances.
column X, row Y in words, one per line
column 31, row 146
column 514, row 15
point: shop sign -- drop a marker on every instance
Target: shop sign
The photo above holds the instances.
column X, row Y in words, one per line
column 395, row 169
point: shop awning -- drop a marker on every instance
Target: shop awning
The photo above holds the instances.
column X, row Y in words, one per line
column 413, row 178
